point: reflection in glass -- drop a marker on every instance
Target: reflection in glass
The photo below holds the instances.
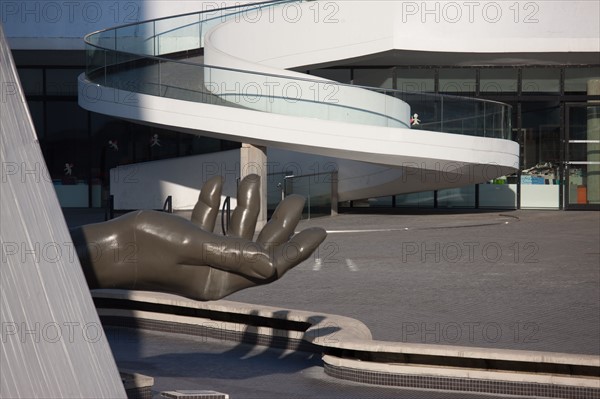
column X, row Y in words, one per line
column 463, row 197
column 416, row 200
column 541, row 137
column 576, row 79
column 170, row 33
column 498, row 81
column 579, row 187
column 415, row 80
column 275, row 190
column 374, row 77
column 541, row 80
column 540, row 154
column 457, row 81
column 316, row 188
column 583, row 156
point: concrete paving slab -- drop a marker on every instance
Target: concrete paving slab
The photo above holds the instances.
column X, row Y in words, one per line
column 527, row 280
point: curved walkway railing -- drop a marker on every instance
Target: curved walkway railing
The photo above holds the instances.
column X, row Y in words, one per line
column 163, row 57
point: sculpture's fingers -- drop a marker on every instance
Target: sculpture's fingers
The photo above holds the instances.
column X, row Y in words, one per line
column 298, row 249
column 245, row 215
column 283, row 222
column 205, row 212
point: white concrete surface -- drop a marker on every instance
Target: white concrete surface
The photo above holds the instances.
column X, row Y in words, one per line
column 52, row 343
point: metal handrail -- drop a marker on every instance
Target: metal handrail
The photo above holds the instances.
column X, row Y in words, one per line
column 179, row 16
column 395, row 93
column 226, row 215
column 168, row 205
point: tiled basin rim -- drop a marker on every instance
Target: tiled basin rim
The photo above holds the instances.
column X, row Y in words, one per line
column 350, row 353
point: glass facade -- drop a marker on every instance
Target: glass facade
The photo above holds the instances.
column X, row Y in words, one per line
column 541, row 80
column 582, row 170
column 556, row 171
column 81, row 147
column 540, row 154
column 457, row 81
column 498, row 81
column 551, row 108
column 383, row 77
column 576, row 79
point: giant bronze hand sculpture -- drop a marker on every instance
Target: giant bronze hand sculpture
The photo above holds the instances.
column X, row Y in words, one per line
column 155, row 251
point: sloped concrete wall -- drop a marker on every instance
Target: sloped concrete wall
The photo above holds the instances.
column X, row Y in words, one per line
column 52, row 343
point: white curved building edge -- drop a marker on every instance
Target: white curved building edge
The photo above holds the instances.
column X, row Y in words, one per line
column 320, row 34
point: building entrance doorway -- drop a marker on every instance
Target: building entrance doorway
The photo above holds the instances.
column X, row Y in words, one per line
column 582, row 156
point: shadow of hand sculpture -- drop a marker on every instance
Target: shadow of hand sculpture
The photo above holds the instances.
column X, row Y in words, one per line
column 155, row 251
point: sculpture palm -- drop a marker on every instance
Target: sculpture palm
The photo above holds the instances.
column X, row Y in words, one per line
column 149, row 250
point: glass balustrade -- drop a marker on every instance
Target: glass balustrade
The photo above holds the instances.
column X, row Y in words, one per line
column 317, row 188
column 157, row 57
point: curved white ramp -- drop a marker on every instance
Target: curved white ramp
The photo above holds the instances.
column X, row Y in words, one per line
column 254, row 101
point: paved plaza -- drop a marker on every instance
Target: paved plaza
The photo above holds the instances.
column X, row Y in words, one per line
column 527, row 280
column 520, row 280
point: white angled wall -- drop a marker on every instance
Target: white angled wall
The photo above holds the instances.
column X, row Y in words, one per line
column 53, row 345
column 147, row 185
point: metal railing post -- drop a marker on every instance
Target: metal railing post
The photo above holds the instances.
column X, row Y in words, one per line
column 309, row 198
column 111, row 207
column 334, row 193
column 226, row 215
column 168, row 205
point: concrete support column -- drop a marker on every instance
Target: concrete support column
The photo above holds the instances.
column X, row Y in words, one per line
column 593, row 149
column 334, row 194
column 253, row 159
